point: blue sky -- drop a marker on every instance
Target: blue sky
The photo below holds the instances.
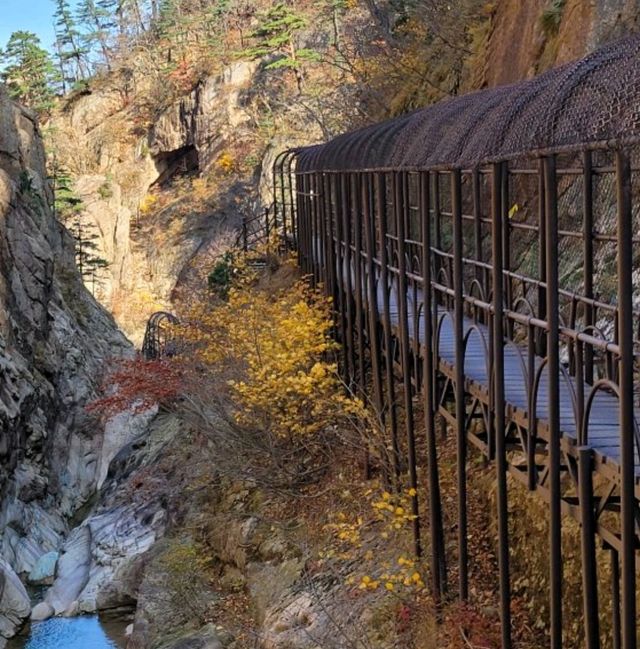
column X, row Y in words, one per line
column 29, row 15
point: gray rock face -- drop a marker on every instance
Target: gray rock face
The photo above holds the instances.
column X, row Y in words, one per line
column 120, row 536
column 73, row 571
column 44, row 571
column 55, row 340
column 14, row 601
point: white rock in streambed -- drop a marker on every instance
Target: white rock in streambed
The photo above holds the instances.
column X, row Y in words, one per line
column 73, row 571
column 44, row 571
column 41, row 611
column 15, row 606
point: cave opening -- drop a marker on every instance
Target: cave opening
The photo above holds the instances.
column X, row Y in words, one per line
column 176, row 164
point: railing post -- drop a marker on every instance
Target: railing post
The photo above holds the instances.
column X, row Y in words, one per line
column 625, row 382
column 615, row 599
column 553, row 367
column 245, row 234
column 330, row 272
column 292, row 205
column 266, row 223
column 356, row 214
column 284, row 199
column 587, row 209
column 399, row 198
column 588, row 548
column 541, row 345
column 435, row 502
column 381, row 216
column 315, row 228
column 372, row 305
column 497, row 216
column 348, row 293
column 461, row 410
column 477, row 226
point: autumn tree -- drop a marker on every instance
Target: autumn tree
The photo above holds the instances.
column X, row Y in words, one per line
column 29, row 72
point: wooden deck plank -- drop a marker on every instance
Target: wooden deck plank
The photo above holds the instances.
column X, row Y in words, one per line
column 605, row 409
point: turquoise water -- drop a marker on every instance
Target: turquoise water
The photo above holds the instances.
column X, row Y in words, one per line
column 72, row 633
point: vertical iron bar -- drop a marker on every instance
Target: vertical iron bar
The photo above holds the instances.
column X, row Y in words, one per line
column 461, row 411
column 506, row 245
column 435, row 502
column 368, row 197
column 348, row 292
column 542, row 258
column 625, row 382
column 615, row 599
column 386, row 320
column 294, row 224
column 588, row 546
column 332, row 284
column 315, row 230
column 553, row 367
column 342, row 298
column 399, row 205
column 356, row 201
column 477, row 224
column 361, row 383
column 266, row 223
column 245, row 234
column 284, row 199
column 587, row 207
column 322, row 232
column 532, row 419
column 498, row 214
column 437, row 215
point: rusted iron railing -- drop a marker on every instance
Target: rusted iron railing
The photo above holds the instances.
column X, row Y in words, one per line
column 483, row 256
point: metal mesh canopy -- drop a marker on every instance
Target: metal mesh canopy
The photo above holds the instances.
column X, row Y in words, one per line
column 596, row 99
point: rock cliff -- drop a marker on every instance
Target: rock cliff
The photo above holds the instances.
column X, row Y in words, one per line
column 54, row 341
column 527, row 38
column 119, row 168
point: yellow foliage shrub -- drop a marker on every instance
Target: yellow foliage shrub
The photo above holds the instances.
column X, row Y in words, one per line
column 273, row 350
column 357, row 537
column 225, row 162
column 148, row 204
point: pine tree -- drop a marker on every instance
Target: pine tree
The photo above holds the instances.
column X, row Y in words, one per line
column 29, row 72
column 71, row 53
column 69, row 208
column 98, row 21
column 67, row 204
column 276, row 36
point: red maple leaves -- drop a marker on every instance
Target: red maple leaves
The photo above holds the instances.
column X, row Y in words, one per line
column 135, row 385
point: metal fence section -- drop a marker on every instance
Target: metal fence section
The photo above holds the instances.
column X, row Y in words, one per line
column 159, row 337
column 483, row 258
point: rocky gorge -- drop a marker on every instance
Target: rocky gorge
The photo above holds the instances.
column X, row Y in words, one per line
column 103, row 515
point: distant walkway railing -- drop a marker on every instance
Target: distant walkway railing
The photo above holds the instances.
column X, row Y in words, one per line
column 159, row 338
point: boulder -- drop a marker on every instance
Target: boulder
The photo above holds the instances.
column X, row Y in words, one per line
column 15, row 606
column 42, row 611
column 73, row 571
column 44, row 571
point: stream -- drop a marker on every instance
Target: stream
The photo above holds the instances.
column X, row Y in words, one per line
column 87, row 632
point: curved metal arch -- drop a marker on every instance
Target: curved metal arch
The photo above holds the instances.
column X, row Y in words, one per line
column 158, row 341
